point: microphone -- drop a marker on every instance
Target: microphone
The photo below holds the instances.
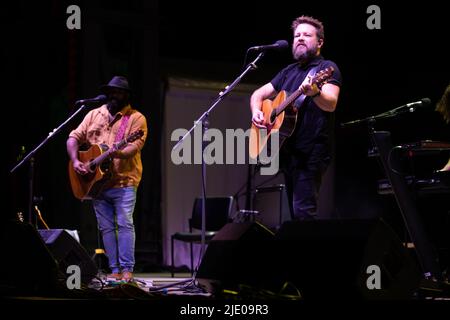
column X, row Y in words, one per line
column 98, row 99
column 409, row 107
column 279, row 45
column 425, row 102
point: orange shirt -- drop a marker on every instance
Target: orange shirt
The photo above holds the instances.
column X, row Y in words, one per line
column 99, row 127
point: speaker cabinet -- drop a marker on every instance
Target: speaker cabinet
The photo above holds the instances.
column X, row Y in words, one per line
column 336, row 259
column 235, row 256
column 68, row 251
column 322, row 259
column 28, row 267
column 272, row 205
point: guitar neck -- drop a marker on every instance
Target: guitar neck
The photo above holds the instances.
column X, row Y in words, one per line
column 105, row 155
column 318, row 79
column 288, row 101
column 97, row 161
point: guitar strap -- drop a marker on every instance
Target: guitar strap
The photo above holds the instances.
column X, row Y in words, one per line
column 121, row 131
column 299, row 102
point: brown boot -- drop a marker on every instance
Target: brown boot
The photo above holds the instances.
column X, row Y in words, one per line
column 114, row 276
column 127, row 276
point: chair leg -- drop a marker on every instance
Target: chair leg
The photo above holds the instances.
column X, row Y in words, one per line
column 192, row 260
column 172, row 258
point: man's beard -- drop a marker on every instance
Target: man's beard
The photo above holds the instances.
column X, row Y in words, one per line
column 305, row 55
column 115, row 105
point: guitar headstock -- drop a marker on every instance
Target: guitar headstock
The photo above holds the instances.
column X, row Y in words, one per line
column 322, row 76
column 135, row 135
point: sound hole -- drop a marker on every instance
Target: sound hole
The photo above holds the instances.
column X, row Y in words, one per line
column 92, row 166
column 273, row 116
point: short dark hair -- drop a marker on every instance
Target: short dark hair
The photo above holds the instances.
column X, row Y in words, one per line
column 312, row 21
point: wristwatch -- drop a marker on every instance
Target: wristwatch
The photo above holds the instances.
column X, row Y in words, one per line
column 317, row 94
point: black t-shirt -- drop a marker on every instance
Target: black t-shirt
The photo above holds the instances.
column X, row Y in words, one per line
column 313, row 124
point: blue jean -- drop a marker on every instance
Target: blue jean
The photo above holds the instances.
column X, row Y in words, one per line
column 114, row 210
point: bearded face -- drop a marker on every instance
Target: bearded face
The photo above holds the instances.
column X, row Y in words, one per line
column 117, row 99
column 306, row 45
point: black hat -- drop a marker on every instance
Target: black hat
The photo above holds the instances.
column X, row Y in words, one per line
column 116, row 82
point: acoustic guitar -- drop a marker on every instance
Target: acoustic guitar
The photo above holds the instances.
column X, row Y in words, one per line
column 97, row 160
column 280, row 117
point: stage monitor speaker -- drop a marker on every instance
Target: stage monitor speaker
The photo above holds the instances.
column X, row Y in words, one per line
column 341, row 259
column 68, row 251
column 235, row 256
column 28, row 267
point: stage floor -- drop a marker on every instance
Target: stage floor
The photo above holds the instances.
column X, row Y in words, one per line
column 160, row 286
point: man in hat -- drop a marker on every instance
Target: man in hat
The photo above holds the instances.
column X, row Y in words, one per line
column 108, row 124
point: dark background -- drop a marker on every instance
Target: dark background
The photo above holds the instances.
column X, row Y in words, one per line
column 46, row 67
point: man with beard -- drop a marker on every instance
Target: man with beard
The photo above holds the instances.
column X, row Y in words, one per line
column 306, row 154
column 114, row 205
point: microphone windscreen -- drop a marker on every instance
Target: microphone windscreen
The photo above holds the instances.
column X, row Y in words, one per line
column 426, row 101
column 282, row 44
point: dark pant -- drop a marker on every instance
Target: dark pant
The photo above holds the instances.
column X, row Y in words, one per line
column 303, row 175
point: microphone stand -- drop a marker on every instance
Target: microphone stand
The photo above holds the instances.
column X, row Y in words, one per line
column 386, row 114
column 205, row 124
column 30, row 157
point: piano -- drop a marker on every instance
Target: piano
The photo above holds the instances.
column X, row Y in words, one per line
column 424, row 217
column 426, row 147
column 423, row 180
column 438, row 183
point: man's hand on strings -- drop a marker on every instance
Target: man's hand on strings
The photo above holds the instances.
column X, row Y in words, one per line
column 258, row 119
